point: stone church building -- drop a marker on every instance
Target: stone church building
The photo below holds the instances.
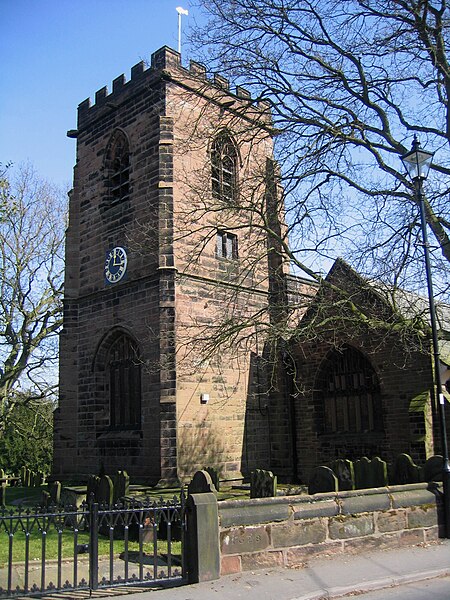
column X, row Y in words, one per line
column 175, row 248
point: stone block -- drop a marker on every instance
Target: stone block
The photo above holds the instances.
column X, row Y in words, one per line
column 412, row 497
column 245, row 512
column 299, row 533
column 244, row 539
column 230, row 565
column 392, row 520
column 365, row 544
column 351, row 526
column 411, row 537
column 300, row 555
column 422, row 517
column 309, row 510
column 365, row 503
column 262, row 560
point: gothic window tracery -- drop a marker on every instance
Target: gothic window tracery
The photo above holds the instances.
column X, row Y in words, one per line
column 124, row 369
column 224, row 161
column 350, row 393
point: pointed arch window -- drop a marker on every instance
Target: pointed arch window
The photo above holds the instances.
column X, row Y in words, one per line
column 224, row 161
column 124, row 369
column 118, row 167
column 350, row 392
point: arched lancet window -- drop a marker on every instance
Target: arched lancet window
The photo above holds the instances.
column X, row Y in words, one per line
column 350, row 392
column 224, row 161
column 118, row 166
column 124, row 370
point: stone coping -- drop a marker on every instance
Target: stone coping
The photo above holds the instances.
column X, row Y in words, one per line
column 282, row 508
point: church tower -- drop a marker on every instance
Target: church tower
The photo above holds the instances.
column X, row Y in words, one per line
column 166, row 245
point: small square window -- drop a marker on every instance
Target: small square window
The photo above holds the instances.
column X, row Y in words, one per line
column 227, row 245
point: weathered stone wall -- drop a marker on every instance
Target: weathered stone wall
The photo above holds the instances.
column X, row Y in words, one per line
column 175, row 285
column 286, row 531
column 229, row 431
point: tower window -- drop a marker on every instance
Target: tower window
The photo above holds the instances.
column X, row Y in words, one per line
column 124, row 369
column 227, row 245
column 224, row 168
column 118, row 166
column 350, row 391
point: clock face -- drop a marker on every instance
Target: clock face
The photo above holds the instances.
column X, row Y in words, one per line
column 115, row 264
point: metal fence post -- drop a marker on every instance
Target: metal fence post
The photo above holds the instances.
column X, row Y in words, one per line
column 93, row 545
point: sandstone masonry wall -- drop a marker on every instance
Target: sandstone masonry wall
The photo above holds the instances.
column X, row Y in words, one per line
column 286, row 531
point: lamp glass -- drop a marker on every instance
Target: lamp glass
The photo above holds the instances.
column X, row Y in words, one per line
column 417, row 162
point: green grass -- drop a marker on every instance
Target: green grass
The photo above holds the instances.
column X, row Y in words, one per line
column 30, row 497
column 67, row 543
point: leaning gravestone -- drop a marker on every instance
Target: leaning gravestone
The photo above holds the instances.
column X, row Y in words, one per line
column 263, row 484
column 322, row 480
column 343, row 469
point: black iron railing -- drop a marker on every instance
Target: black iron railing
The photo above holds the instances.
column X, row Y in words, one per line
column 56, row 548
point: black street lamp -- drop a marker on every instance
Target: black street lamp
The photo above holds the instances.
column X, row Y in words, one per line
column 417, row 162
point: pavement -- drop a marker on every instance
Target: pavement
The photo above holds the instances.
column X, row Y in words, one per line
column 325, row 578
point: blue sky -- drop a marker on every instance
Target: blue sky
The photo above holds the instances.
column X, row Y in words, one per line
column 56, row 53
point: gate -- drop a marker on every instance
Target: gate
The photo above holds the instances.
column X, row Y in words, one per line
column 58, row 548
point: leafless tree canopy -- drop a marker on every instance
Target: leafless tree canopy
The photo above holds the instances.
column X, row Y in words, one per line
column 349, row 84
column 32, row 228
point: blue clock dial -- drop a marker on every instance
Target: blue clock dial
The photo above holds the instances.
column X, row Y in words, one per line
column 115, row 264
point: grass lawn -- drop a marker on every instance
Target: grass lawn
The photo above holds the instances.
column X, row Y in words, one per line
column 65, row 542
column 67, row 546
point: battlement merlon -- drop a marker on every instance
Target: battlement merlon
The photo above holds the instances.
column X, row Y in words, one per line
column 166, row 64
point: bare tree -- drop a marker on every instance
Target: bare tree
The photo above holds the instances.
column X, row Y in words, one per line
column 349, row 84
column 31, row 279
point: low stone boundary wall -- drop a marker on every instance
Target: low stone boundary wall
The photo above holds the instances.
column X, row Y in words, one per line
column 286, row 531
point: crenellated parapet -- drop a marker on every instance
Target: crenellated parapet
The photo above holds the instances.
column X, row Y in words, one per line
column 166, row 63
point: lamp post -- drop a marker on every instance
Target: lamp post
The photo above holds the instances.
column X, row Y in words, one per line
column 417, row 162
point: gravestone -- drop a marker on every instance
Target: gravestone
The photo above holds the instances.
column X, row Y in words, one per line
column 379, row 476
column 432, row 470
column 55, row 492
column 263, row 484
column 405, row 471
column 201, row 483
column 121, row 485
column 363, row 475
column 92, row 488
column 105, row 491
column 214, row 474
column 23, row 476
column 343, row 469
column 370, row 473
column 322, row 480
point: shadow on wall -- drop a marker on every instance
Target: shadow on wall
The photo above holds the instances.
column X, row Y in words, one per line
column 256, row 442
column 199, row 446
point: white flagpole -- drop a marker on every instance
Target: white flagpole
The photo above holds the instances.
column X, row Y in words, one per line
column 180, row 11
